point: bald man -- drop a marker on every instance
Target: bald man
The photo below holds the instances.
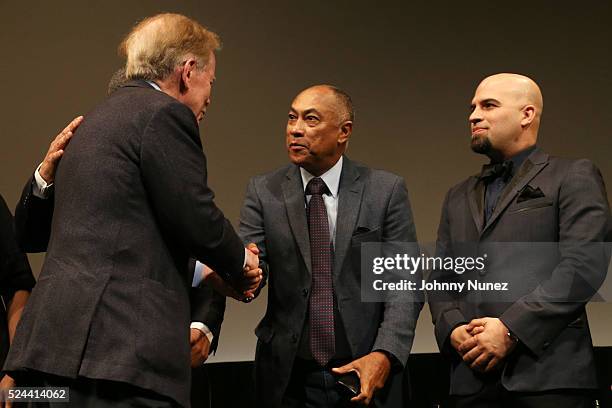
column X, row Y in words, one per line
column 309, row 219
column 531, row 346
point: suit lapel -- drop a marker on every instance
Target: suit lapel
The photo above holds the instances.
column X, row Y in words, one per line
column 293, row 193
column 350, row 195
column 530, row 168
column 475, row 193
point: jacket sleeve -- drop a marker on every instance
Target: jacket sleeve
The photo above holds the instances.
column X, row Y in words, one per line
column 33, row 218
column 584, row 223
column 396, row 331
column 252, row 228
column 174, row 173
column 208, row 307
column 446, row 313
column 15, row 272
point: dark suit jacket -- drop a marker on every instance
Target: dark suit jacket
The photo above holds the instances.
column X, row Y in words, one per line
column 131, row 207
column 373, row 202
column 33, row 217
column 15, row 272
column 555, row 349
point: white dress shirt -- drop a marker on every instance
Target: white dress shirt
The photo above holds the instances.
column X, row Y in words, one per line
column 332, row 179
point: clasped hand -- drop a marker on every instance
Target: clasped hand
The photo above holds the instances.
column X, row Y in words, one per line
column 247, row 286
column 483, row 343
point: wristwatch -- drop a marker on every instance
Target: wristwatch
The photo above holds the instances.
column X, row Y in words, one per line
column 513, row 337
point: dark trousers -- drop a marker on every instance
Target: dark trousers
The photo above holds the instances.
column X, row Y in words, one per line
column 494, row 395
column 313, row 386
column 91, row 393
column 200, row 388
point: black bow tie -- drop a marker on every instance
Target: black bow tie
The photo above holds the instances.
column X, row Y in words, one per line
column 492, row 171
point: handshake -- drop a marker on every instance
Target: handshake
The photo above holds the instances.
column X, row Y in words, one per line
column 245, row 289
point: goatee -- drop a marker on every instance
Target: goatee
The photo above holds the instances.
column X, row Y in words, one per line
column 481, row 145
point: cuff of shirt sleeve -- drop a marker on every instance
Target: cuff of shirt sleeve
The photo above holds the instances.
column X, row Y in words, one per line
column 197, row 274
column 204, row 329
column 245, row 258
column 40, row 187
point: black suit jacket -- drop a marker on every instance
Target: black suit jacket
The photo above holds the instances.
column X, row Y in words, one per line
column 549, row 200
column 33, row 217
column 373, row 206
column 132, row 206
column 15, row 272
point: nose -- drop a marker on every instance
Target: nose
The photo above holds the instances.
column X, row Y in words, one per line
column 296, row 128
column 475, row 116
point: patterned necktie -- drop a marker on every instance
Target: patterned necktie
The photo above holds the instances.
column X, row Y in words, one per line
column 322, row 341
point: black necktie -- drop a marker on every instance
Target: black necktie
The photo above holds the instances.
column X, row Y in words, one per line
column 322, row 341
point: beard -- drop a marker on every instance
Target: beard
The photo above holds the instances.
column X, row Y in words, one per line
column 481, row 145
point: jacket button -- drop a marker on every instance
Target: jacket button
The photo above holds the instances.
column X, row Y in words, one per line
column 305, row 292
column 294, row 338
column 545, row 345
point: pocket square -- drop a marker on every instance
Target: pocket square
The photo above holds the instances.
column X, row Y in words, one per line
column 361, row 230
column 529, row 193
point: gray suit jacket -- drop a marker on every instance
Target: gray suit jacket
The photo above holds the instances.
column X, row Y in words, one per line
column 33, row 217
column 373, row 207
column 112, row 300
column 555, row 349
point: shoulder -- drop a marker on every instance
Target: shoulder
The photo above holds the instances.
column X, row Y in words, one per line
column 381, row 179
column 149, row 102
column 459, row 190
column 275, row 176
column 573, row 166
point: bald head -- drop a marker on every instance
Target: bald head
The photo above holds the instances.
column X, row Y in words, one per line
column 520, row 88
column 506, row 112
column 318, row 128
column 339, row 100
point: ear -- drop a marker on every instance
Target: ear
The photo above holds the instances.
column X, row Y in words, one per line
column 528, row 115
column 186, row 72
column 346, row 128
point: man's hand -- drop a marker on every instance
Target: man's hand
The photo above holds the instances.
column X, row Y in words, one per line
column 489, row 346
column 56, row 150
column 200, row 347
column 6, row 383
column 217, row 283
column 459, row 335
column 252, row 280
column 372, row 370
column 252, row 273
column 253, row 248
column 252, row 257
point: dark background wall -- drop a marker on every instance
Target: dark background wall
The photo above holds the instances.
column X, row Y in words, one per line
column 411, row 68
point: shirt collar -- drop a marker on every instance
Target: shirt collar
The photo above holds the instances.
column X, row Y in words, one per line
column 519, row 158
column 154, row 85
column 331, row 177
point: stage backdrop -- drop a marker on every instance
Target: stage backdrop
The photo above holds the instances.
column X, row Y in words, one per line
column 410, row 68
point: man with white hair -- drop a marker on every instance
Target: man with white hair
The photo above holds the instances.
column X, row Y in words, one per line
column 110, row 314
